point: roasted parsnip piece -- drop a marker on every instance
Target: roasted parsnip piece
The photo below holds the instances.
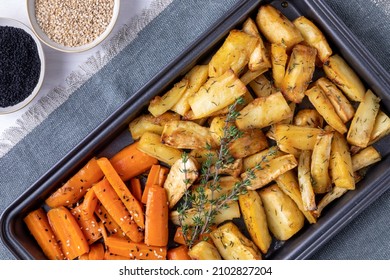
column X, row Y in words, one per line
column 160, row 104
column 299, row 72
column 248, row 76
column 297, row 137
column 232, row 169
column 261, row 86
column 250, row 142
column 216, row 94
column 341, row 104
column 196, row 77
column 217, row 126
column 339, row 72
column 332, row 195
column 148, row 122
column 187, row 135
column 320, row 163
column 150, row 143
column 340, row 164
column 261, row 158
column 322, row 104
column 226, row 185
column 305, row 182
column 204, row 250
column 264, row 111
column 255, row 219
column 288, row 183
column 362, row 125
column 232, row 244
column 381, row 127
column 276, row 27
column 283, row 216
column 259, row 58
column 249, row 26
column 234, row 54
column 309, row 118
column 314, row 37
column 265, row 174
column 231, row 212
column 364, row 158
column 279, row 60
column 182, row 174
column 204, row 154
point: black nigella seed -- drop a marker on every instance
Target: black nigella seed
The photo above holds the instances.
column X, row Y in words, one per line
column 20, row 65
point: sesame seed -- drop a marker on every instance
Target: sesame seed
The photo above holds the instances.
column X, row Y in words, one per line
column 74, row 23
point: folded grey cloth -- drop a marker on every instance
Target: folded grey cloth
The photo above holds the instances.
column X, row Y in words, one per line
column 160, row 42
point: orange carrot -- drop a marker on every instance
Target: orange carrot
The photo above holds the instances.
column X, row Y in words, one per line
column 77, row 186
column 156, row 217
column 131, row 162
column 179, row 237
column 68, row 232
column 122, row 247
column 40, row 229
column 134, row 207
column 157, row 175
column 88, row 225
column 111, row 201
column 136, row 188
column 96, row 252
column 108, row 222
column 178, row 253
column 89, row 203
column 111, row 256
column 162, row 175
column 84, row 257
column 103, row 231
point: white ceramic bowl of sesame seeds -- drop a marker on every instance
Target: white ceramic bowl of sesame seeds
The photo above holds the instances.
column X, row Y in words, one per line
column 72, row 26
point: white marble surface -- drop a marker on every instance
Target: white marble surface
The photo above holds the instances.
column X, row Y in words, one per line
column 58, row 64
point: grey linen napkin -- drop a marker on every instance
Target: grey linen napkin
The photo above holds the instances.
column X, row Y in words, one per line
column 161, row 41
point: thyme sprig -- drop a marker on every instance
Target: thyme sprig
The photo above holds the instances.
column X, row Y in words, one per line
column 206, row 207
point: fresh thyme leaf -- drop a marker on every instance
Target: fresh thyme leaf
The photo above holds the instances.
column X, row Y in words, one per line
column 207, row 206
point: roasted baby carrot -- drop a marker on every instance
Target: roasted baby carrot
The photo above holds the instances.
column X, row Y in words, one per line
column 152, row 179
column 140, row 251
column 134, row 207
column 68, row 232
column 179, row 237
column 111, row 256
column 178, row 253
column 111, row 201
column 89, row 203
column 77, row 186
column 88, row 225
column 136, row 188
column 130, row 162
column 96, row 252
column 108, row 222
column 39, row 226
column 156, row 176
column 156, row 217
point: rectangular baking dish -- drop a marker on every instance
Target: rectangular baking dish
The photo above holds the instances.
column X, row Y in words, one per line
column 113, row 135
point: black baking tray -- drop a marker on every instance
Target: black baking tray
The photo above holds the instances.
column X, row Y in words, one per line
column 112, row 135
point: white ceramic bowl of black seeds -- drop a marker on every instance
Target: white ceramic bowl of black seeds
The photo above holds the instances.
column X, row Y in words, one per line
column 72, row 26
column 22, row 65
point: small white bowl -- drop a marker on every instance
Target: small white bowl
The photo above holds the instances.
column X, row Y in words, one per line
column 33, row 94
column 49, row 42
